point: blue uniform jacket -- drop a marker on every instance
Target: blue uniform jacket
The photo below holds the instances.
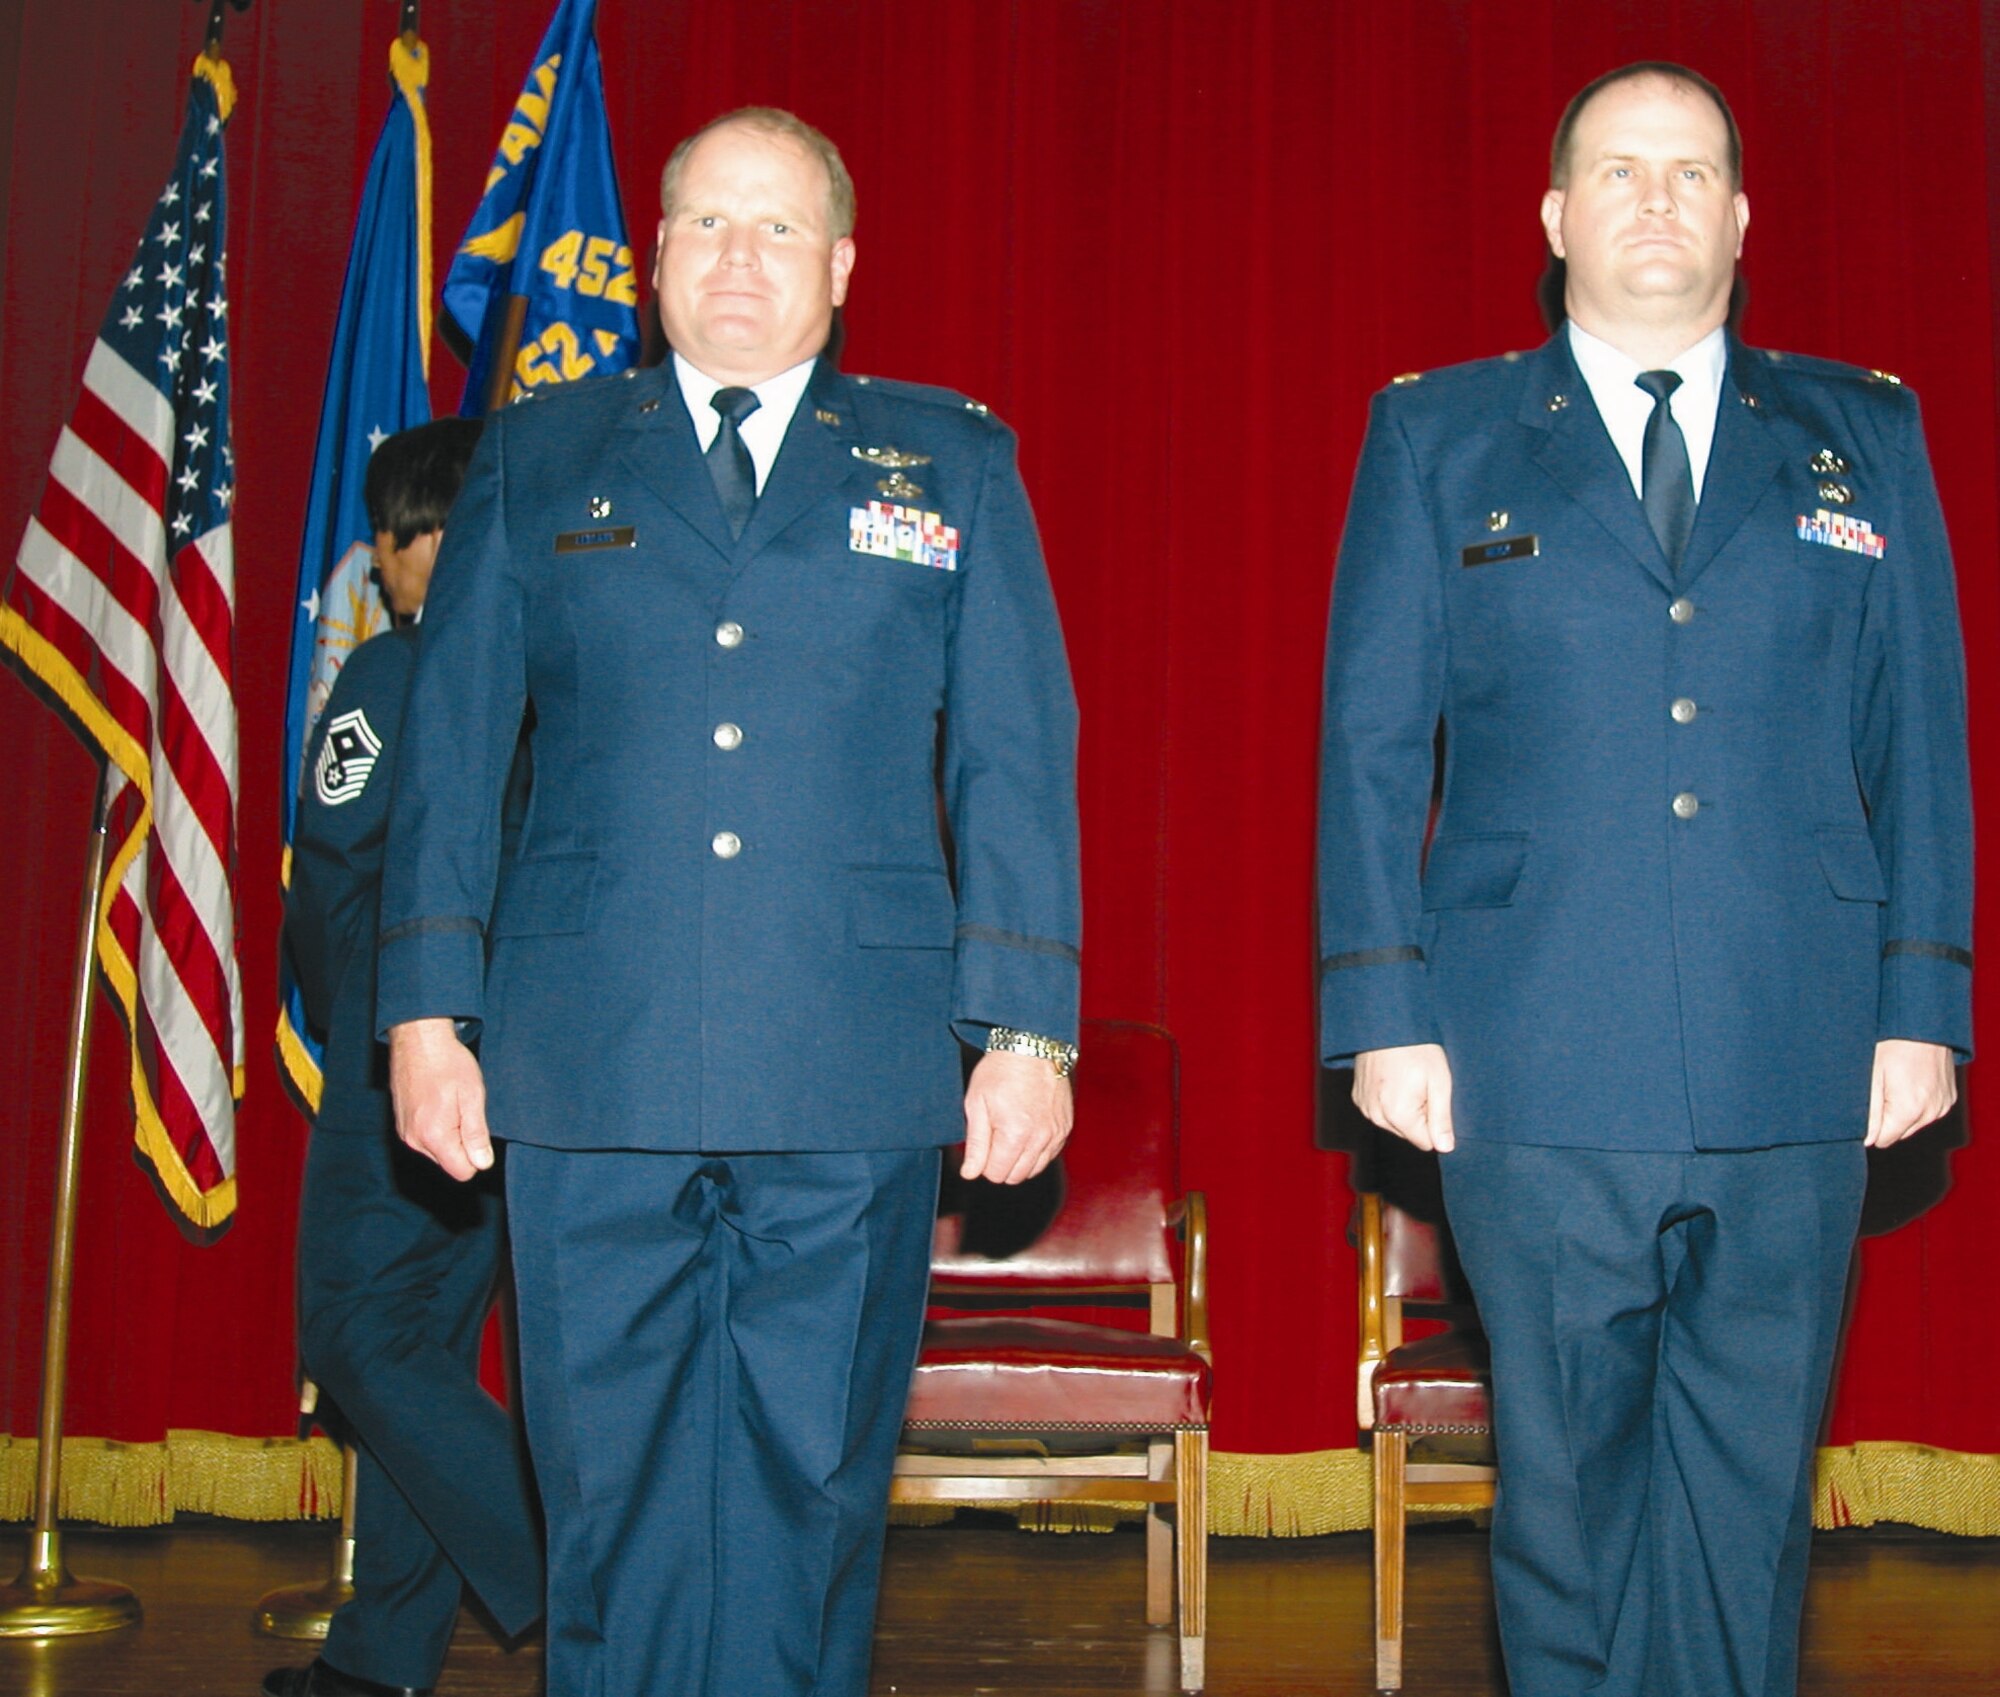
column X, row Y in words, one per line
column 334, row 894
column 737, row 921
column 1701, row 841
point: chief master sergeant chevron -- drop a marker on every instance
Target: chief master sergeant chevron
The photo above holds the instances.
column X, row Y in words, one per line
column 1695, row 924
column 761, row 610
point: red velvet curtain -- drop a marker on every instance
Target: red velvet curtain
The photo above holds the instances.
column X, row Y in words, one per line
column 1177, row 246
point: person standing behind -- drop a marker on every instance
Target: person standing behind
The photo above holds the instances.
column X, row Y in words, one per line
column 760, row 609
column 1694, row 928
column 396, row 1264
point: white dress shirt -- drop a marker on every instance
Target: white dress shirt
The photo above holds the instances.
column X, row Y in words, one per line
column 1625, row 407
column 763, row 432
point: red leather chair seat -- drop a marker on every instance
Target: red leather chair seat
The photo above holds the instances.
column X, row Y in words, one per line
column 1436, row 1384
column 998, row 1371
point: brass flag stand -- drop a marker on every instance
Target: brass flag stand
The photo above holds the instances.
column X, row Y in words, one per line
column 45, row 1602
column 306, row 1611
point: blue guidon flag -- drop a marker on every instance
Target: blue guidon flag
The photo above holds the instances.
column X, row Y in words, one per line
column 375, row 386
column 549, row 232
column 120, row 610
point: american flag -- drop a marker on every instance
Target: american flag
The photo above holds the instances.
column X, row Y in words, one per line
column 120, row 608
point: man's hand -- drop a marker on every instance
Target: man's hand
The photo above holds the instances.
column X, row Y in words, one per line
column 440, row 1096
column 1913, row 1085
column 1408, row 1091
column 1018, row 1111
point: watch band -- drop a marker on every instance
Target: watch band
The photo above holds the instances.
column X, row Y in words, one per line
column 1004, row 1039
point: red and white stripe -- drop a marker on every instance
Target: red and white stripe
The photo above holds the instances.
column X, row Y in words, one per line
column 144, row 630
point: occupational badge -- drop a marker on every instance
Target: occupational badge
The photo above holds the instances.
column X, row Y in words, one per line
column 893, row 532
column 346, row 758
column 889, row 459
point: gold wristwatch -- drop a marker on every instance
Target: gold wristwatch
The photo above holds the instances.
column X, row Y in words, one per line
column 1004, row 1039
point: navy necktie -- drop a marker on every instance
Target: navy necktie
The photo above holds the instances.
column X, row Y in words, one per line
column 729, row 461
column 1666, row 481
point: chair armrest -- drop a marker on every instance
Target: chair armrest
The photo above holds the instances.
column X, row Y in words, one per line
column 1374, row 1322
column 1190, row 1215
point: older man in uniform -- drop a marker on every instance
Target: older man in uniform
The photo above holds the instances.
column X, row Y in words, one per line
column 1695, row 921
column 761, row 611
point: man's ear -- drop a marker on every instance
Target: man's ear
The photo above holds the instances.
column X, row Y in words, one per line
column 1552, row 221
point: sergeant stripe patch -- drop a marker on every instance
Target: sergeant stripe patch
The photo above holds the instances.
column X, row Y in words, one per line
column 346, row 758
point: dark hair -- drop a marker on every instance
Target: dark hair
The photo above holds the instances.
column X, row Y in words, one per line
column 1667, row 71
column 414, row 476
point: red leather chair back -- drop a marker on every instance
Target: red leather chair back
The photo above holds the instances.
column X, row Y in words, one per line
column 1098, row 1218
column 1417, row 1262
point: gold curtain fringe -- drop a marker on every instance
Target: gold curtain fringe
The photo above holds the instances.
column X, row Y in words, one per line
column 1250, row 1496
column 189, row 1472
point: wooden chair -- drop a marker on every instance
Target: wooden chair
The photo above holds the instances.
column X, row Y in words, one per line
column 1427, row 1401
column 1016, row 1406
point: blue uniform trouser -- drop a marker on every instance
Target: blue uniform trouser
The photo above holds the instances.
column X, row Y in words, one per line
column 716, row 1351
column 396, row 1271
column 1663, row 1329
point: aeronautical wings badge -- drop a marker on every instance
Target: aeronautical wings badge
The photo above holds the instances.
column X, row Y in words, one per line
column 889, row 459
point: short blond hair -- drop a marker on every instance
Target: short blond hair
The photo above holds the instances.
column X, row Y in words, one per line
column 787, row 126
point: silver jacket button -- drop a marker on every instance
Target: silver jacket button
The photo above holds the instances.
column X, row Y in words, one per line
column 1681, row 611
column 728, row 736
column 1686, row 806
column 1683, row 711
column 728, row 845
column 729, row 634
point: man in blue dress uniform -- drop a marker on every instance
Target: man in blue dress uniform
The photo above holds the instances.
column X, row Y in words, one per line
column 396, row 1264
column 763, row 613
column 1695, row 921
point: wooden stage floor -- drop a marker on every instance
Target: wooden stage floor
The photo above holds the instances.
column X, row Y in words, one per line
column 969, row 1611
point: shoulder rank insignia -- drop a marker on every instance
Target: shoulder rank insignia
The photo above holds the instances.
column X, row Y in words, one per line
column 889, row 459
column 346, row 758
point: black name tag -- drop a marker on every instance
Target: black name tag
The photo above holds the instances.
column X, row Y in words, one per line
column 584, row 541
column 1507, row 548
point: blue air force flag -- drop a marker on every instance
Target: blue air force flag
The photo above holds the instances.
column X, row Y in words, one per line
column 375, row 386
column 550, row 231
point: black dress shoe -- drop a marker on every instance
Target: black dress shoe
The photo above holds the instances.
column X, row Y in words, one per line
column 316, row 1679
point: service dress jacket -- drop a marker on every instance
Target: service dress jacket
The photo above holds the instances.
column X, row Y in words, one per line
column 738, row 919
column 1703, row 837
column 333, row 895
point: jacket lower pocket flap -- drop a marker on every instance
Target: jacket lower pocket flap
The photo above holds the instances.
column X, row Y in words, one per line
column 1479, row 871
column 897, row 907
column 545, row 896
column 1847, row 857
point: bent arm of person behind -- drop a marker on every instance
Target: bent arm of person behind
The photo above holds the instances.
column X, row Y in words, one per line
column 1910, row 757
column 461, row 722
column 1385, row 670
column 1010, row 792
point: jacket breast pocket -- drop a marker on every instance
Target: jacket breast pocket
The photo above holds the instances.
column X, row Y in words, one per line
column 901, row 907
column 546, row 896
column 1477, row 870
column 1847, row 857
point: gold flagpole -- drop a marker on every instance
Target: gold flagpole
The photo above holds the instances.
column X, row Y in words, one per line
column 306, row 1611
column 45, row 1602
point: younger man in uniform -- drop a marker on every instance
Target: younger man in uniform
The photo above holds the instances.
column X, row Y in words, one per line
column 396, row 1263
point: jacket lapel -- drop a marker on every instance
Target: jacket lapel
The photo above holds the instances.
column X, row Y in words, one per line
column 657, row 442
column 1575, row 449
column 813, row 460
column 1741, row 463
